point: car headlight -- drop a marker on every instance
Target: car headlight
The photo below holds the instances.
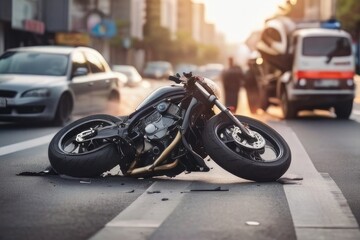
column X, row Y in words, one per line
column 40, row 92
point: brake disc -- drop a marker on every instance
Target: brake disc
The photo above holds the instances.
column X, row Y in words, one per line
column 256, row 144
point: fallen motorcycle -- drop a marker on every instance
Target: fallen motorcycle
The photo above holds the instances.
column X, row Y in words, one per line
column 173, row 130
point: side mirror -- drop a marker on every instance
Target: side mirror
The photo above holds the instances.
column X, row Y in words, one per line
column 81, row 71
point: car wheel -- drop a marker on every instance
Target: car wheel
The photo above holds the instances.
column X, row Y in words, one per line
column 287, row 107
column 264, row 101
column 63, row 110
column 343, row 111
column 113, row 103
column 252, row 93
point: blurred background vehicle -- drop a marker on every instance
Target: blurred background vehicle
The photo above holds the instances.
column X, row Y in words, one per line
column 158, row 69
column 185, row 67
column 52, row 82
column 133, row 76
column 304, row 67
column 211, row 70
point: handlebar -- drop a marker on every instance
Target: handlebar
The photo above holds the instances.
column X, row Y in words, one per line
column 177, row 78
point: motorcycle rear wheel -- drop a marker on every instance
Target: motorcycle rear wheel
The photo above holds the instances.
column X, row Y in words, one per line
column 89, row 159
column 255, row 165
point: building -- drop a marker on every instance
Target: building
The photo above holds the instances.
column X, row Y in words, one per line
column 22, row 23
column 61, row 22
column 129, row 16
column 185, row 16
column 198, row 21
column 310, row 10
column 168, row 16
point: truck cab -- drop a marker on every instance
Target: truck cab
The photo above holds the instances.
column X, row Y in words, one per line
column 316, row 71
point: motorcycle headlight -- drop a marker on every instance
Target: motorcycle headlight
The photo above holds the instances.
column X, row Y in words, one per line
column 213, row 86
column 40, row 92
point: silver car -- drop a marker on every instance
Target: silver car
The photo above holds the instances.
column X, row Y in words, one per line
column 133, row 76
column 158, row 69
column 52, row 82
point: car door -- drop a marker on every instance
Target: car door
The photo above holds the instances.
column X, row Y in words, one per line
column 80, row 83
column 101, row 81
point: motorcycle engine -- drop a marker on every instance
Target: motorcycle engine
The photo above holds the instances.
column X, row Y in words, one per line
column 156, row 126
column 157, row 130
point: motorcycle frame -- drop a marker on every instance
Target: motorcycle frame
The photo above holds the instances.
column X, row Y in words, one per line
column 196, row 87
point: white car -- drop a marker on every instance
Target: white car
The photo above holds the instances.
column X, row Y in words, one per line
column 52, row 82
column 133, row 76
column 158, row 70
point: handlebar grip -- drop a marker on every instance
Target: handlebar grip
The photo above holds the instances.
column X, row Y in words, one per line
column 175, row 79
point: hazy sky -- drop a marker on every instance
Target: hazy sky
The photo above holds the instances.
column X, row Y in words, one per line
column 238, row 18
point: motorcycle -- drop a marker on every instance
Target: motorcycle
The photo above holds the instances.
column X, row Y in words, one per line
column 172, row 131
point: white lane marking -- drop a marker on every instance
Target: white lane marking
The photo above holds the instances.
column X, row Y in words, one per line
column 316, row 213
column 146, row 213
column 16, row 147
column 312, row 203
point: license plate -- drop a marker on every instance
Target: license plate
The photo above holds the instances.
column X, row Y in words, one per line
column 2, row 102
column 327, row 83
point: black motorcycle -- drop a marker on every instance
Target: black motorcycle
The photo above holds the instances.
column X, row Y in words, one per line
column 173, row 130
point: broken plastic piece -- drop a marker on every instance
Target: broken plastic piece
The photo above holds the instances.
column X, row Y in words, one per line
column 86, row 182
column 252, row 223
column 210, row 189
column 151, row 192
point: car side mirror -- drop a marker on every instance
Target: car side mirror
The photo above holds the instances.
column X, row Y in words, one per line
column 81, row 71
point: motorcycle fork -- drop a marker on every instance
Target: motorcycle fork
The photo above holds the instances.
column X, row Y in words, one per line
column 246, row 134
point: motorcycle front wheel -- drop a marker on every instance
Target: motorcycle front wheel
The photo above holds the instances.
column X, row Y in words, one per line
column 83, row 159
column 262, row 165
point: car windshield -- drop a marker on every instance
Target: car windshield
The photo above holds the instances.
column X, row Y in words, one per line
column 33, row 63
column 326, row 46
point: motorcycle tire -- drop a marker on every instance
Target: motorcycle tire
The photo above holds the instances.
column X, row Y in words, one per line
column 89, row 159
column 265, row 166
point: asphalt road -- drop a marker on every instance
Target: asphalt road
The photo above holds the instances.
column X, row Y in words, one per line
column 114, row 207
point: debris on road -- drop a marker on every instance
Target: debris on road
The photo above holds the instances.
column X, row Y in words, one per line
column 252, row 223
column 151, row 192
column 290, row 179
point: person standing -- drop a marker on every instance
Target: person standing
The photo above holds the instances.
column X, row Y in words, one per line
column 232, row 78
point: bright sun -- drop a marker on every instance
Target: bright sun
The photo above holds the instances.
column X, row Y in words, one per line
column 236, row 19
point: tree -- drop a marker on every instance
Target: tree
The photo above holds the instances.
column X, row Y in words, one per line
column 348, row 13
column 157, row 42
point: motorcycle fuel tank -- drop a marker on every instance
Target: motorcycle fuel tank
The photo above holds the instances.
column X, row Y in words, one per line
column 161, row 94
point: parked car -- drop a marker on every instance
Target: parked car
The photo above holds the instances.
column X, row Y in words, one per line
column 158, row 69
column 212, row 71
column 185, row 67
column 52, row 82
column 133, row 76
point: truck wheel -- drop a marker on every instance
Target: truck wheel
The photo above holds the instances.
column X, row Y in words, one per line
column 252, row 94
column 287, row 107
column 343, row 111
column 264, row 99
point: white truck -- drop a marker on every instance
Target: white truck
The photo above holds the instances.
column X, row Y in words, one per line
column 302, row 68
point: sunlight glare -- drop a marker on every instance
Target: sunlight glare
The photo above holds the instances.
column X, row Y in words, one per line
column 236, row 19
